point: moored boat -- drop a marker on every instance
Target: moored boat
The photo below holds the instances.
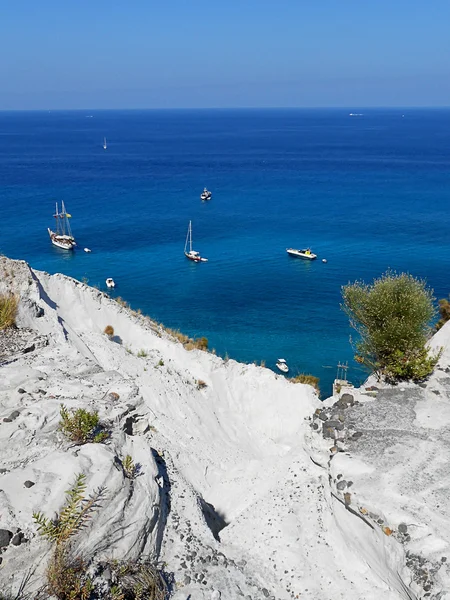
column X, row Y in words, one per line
column 110, row 282
column 205, row 195
column 62, row 237
column 192, row 254
column 282, row 365
column 304, row 253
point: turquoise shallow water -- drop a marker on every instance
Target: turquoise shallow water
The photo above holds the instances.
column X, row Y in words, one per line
column 366, row 193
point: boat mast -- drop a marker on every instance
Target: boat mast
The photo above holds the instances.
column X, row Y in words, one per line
column 56, row 215
column 188, row 238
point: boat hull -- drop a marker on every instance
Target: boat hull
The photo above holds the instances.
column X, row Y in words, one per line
column 193, row 258
column 65, row 243
column 301, row 254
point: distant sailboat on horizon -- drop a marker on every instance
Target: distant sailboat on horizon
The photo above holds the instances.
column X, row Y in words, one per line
column 104, row 143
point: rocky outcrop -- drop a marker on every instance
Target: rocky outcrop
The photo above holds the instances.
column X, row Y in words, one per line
column 247, row 485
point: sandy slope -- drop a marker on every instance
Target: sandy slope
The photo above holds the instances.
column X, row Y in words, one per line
column 242, row 452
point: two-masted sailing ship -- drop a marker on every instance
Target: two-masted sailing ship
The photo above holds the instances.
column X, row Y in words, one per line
column 62, row 237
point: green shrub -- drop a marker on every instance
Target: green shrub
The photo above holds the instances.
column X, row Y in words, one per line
column 129, row 468
column 81, row 426
column 444, row 312
column 142, row 354
column 160, row 363
column 136, row 580
column 74, row 515
column 308, row 379
column 67, row 576
column 413, row 365
column 8, row 310
column 392, row 317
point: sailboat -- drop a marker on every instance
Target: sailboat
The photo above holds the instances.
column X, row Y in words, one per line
column 192, row 254
column 104, row 143
column 63, row 237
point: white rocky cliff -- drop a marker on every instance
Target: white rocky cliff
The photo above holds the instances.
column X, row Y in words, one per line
column 249, row 486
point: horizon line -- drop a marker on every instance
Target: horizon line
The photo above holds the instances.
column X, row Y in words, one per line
column 223, row 108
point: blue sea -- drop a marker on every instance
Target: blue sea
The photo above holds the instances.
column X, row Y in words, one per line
column 365, row 192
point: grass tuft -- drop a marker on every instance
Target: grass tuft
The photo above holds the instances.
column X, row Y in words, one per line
column 308, row 379
column 8, row 310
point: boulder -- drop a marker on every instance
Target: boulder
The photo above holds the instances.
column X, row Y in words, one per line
column 5, row 537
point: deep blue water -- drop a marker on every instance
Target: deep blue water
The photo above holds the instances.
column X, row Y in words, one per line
column 367, row 193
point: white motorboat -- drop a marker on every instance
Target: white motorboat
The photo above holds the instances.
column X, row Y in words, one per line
column 62, row 237
column 192, row 254
column 104, row 144
column 282, row 365
column 87, row 249
column 304, row 253
column 205, row 195
column 110, row 282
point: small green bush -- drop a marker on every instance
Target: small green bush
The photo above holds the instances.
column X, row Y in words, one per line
column 136, row 580
column 160, row 363
column 308, row 379
column 413, row 365
column 8, row 310
column 81, row 426
column 129, row 468
column 142, row 354
column 392, row 317
column 444, row 312
column 67, row 575
column 74, row 515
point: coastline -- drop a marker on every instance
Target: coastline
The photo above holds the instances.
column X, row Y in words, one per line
column 244, row 475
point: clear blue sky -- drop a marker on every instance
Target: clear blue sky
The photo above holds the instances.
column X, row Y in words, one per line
column 215, row 53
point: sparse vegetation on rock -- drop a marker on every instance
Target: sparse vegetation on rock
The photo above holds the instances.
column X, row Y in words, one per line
column 67, row 577
column 74, row 515
column 109, row 330
column 130, row 469
column 444, row 312
column 136, row 580
column 308, row 379
column 81, row 426
column 392, row 317
column 8, row 310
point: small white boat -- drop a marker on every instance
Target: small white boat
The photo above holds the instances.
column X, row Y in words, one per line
column 110, row 282
column 87, row 249
column 104, row 144
column 62, row 237
column 305, row 253
column 324, row 260
column 205, row 195
column 282, row 365
column 192, row 254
